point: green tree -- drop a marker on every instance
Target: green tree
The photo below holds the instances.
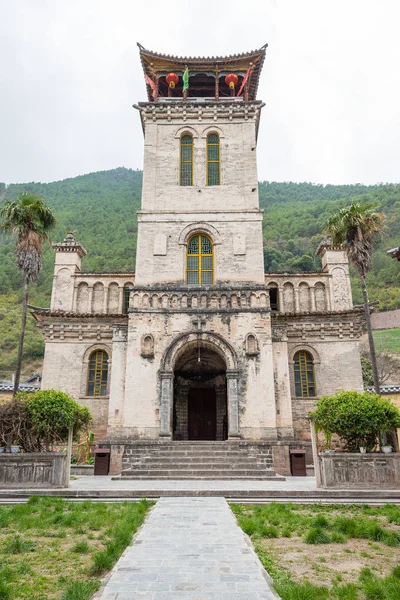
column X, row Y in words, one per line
column 357, row 227
column 358, row 418
column 53, row 412
column 31, row 219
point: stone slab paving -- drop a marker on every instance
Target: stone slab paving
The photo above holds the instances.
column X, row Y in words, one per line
column 189, row 548
column 103, row 482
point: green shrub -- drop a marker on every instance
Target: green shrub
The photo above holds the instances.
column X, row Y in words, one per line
column 316, row 535
column 80, row 590
column 16, row 545
column 81, row 548
column 53, row 413
column 358, row 418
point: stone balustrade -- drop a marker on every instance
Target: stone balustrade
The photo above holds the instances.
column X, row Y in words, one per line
column 187, row 298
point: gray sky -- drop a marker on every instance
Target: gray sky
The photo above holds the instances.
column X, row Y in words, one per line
column 70, row 72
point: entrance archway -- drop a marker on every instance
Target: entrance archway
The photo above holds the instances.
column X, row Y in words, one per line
column 200, row 394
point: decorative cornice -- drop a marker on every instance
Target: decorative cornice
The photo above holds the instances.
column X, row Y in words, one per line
column 70, row 245
column 327, row 245
column 59, row 331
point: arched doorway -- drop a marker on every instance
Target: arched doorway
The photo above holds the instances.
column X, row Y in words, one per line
column 199, row 394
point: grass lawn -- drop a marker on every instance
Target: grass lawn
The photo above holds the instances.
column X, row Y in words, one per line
column 320, row 552
column 52, row 548
column 387, row 340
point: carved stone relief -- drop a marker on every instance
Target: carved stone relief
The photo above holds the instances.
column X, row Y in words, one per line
column 62, row 287
column 340, row 289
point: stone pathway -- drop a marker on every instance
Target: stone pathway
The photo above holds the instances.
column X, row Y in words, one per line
column 103, row 482
column 189, row 548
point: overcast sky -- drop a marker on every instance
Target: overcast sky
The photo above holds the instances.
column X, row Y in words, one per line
column 70, row 72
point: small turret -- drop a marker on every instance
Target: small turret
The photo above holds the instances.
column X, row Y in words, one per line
column 68, row 260
column 335, row 262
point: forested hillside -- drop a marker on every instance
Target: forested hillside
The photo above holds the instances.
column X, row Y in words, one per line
column 100, row 208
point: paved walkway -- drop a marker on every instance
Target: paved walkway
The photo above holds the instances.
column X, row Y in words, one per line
column 106, row 483
column 189, row 548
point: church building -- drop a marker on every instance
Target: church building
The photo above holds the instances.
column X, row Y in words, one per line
column 199, row 347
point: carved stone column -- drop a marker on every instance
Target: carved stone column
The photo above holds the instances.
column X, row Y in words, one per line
column 90, row 300
column 328, row 296
column 312, row 298
column 281, row 305
column 105, row 305
column 120, row 300
column 296, row 300
column 117, row 381
column 166, row 404
column 232, row 378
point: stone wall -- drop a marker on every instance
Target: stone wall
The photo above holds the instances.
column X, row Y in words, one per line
column 360, row 471
column 389, row 319
column 42, row 470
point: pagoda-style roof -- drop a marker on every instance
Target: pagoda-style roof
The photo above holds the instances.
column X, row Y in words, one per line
column 203, row 72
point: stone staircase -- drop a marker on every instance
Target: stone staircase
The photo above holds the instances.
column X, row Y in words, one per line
column 198, row 460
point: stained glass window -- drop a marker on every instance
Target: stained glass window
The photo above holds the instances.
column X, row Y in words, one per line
column 213, row 165
column 200, row 260
column 98, row 374
column 186, row 177
column 304, row 379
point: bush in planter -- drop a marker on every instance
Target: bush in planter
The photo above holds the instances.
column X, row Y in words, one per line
column 53, row 413
column 16, row 425
column 360, row 419
column 39, row 420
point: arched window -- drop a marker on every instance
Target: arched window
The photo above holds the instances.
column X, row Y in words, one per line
column 213, row 163
column 200, row 260
column 304, row 379
column 98, row 374
column 186, row 175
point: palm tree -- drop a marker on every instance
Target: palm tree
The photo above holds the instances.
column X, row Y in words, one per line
column 31, row 219
column 357, row 226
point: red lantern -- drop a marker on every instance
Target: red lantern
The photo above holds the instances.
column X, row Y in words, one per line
column 172, row 79
column 231, row 80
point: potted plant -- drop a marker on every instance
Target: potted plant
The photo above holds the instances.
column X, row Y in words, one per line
column 15, row 447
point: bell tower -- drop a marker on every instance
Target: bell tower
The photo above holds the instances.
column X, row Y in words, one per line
column 200, row 127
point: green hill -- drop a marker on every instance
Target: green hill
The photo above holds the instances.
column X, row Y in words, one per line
column 101, row 209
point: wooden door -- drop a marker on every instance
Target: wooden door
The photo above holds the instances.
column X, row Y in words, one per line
column 202, row 414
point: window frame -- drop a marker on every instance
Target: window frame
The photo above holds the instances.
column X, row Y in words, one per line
column 199, row 256
column 98, row 368
column 304, row 366
column 208, row 161
column 182, row 162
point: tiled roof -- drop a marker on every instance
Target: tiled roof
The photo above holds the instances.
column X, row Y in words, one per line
column 9, row 387
column 386, row 389
column 153, row 62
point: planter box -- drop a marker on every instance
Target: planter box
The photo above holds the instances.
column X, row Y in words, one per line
column 33, row 469
column 82, row 469
column 360, row 471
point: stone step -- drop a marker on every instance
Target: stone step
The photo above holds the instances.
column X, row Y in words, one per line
column 197, row 460
column 194, row 451
column 195, row 466
column 208, row 473
column 223, row 477
column 204, row 445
